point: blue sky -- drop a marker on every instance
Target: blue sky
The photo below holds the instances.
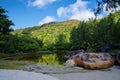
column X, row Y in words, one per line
column 27, row 13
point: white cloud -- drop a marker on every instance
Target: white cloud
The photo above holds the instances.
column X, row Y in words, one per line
column 40, row 3
column 78, row 11
column 83, row 15
column 47, row 19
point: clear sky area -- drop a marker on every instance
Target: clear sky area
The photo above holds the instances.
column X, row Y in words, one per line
column 27, row 13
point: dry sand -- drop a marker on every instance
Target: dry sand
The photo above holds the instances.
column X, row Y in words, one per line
column 111, row 74
column 23, row 75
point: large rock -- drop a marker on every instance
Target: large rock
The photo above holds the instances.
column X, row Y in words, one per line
column 90, row 60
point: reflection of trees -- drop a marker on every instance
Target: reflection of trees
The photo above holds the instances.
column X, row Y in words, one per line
column 61, row 47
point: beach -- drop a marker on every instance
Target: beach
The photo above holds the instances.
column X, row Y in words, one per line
column 110, row 74
column 106, row 74
column 23, row 75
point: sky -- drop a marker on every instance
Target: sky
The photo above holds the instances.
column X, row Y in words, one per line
column 27, row 13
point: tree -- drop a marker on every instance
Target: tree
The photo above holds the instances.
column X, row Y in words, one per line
column 5, row 23
column 110, row 5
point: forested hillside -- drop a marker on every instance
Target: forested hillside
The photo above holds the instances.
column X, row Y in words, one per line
column 74, row 34
column 67, row 35
column 48, row 35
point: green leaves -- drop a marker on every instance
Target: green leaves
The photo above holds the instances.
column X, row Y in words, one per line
column 68, row 35
column 94, row 33
column 109, row 5
column 5, row 23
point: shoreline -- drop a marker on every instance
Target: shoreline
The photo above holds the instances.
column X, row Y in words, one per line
column 110, row 74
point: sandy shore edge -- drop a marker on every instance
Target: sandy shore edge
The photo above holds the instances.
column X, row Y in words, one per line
column 111, row 74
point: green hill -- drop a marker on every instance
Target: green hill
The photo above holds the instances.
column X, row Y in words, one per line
column 49, row 33
column 72, row 34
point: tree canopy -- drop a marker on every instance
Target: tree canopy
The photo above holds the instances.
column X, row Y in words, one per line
column 5, row 23
column 73, row 34
column 5, row 30
column 111, row 5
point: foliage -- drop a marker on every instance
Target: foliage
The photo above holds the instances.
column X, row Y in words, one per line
column 73, row 34
column 5, row 29
column 5, row 23
column 26, row 44
column 94, row 33
column 50, row 33
column 110, row 5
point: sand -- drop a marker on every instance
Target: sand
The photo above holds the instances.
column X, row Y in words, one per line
column 23, row 75
column 109, row 74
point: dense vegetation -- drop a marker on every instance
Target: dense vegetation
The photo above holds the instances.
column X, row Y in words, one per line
column 71, row 35
column 50, row 36
column 95, row 33
column 53, row 40
column 5, row 29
